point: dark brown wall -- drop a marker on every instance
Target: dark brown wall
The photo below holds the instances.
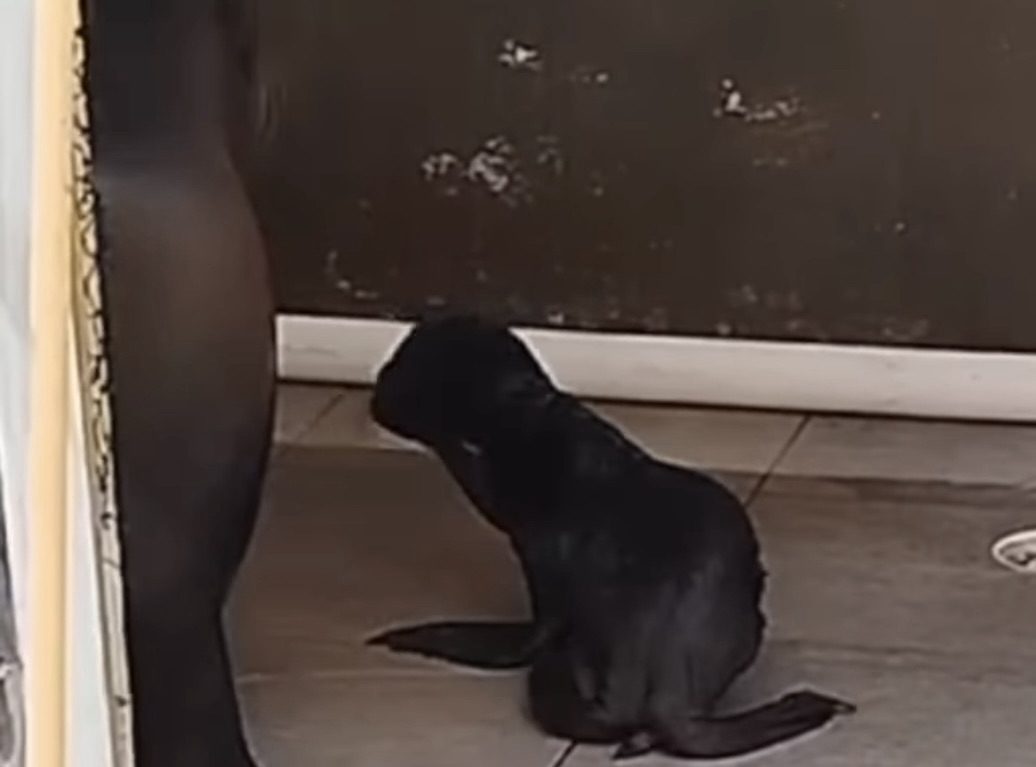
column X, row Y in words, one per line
column 854, row 170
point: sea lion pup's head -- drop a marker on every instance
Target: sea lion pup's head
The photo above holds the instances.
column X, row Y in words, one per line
column 452, row 377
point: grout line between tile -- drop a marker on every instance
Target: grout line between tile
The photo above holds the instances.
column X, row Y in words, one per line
column 760, row 484
column 564, row 754
column 344, row 674
column 322, row 413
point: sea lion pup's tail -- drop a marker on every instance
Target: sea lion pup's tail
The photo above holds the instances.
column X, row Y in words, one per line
column 721, row 737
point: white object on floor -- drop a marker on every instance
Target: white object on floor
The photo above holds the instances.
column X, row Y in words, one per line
column 734, row 373
column 1017, row 552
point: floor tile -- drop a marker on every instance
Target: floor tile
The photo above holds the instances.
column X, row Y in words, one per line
column 914, row 451
column 912, row 713
column 393, row 722
column 348, row 424
column 299, row 407
column 351, row 542
column 738, row 441
column 895, row 605
column 929, row 493
column 881, row 592
column 732, row 440
column 895, row 576
column 889, row 526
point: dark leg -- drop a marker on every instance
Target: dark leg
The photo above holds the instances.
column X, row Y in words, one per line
column 190, row 320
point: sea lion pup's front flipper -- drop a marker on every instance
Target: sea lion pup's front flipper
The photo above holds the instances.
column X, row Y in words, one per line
column 483, row 645
column 634, row 747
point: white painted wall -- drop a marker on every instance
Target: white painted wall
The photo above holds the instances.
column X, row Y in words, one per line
column 90, row 735
column 920, row 383
column 89, row 729
column 16, row 35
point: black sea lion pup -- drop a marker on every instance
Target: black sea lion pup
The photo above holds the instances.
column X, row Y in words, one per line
column 644, row 577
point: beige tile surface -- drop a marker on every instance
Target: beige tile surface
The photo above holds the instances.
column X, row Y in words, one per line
column 881, row 592
column 887, row 576
column 731, row 440
column 393, row 722
column 890, row 526
column 896, row 606
column 354, row 541
column 913, row 712
column 737, row 441
column 299, row 407
column 348, row 424
column 914, row 451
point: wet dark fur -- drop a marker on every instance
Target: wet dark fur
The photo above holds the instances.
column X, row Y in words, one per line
column 644, row 577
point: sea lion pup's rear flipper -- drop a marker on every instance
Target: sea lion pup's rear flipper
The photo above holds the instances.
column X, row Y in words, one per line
column 791, row 716
column 634, row 747
column 484, row 645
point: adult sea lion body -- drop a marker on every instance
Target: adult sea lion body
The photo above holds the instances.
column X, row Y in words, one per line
column 644, row 577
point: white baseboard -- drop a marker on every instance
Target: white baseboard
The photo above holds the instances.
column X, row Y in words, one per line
column 675, row 369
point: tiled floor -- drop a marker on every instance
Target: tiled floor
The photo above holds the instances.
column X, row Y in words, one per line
column 876, row 534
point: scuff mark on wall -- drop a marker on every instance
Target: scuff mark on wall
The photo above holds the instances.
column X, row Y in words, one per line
column 900, row 228
column 785, row 301
column 517, row 55
column 332, row 270
column 733, row 104
column 756, row 308
column 780, row 132
column 758, row 314
column 494, row 167
column 743, row 296
column 724, row 329
column 748, row 296
column 497, row 166
column 334, row 276
column 439, row 164
column 587, row 75
column 902, row 329
column 805, row 328
column 549, row 153
column 774, row 162
column 657, row 320
column 555, row 317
